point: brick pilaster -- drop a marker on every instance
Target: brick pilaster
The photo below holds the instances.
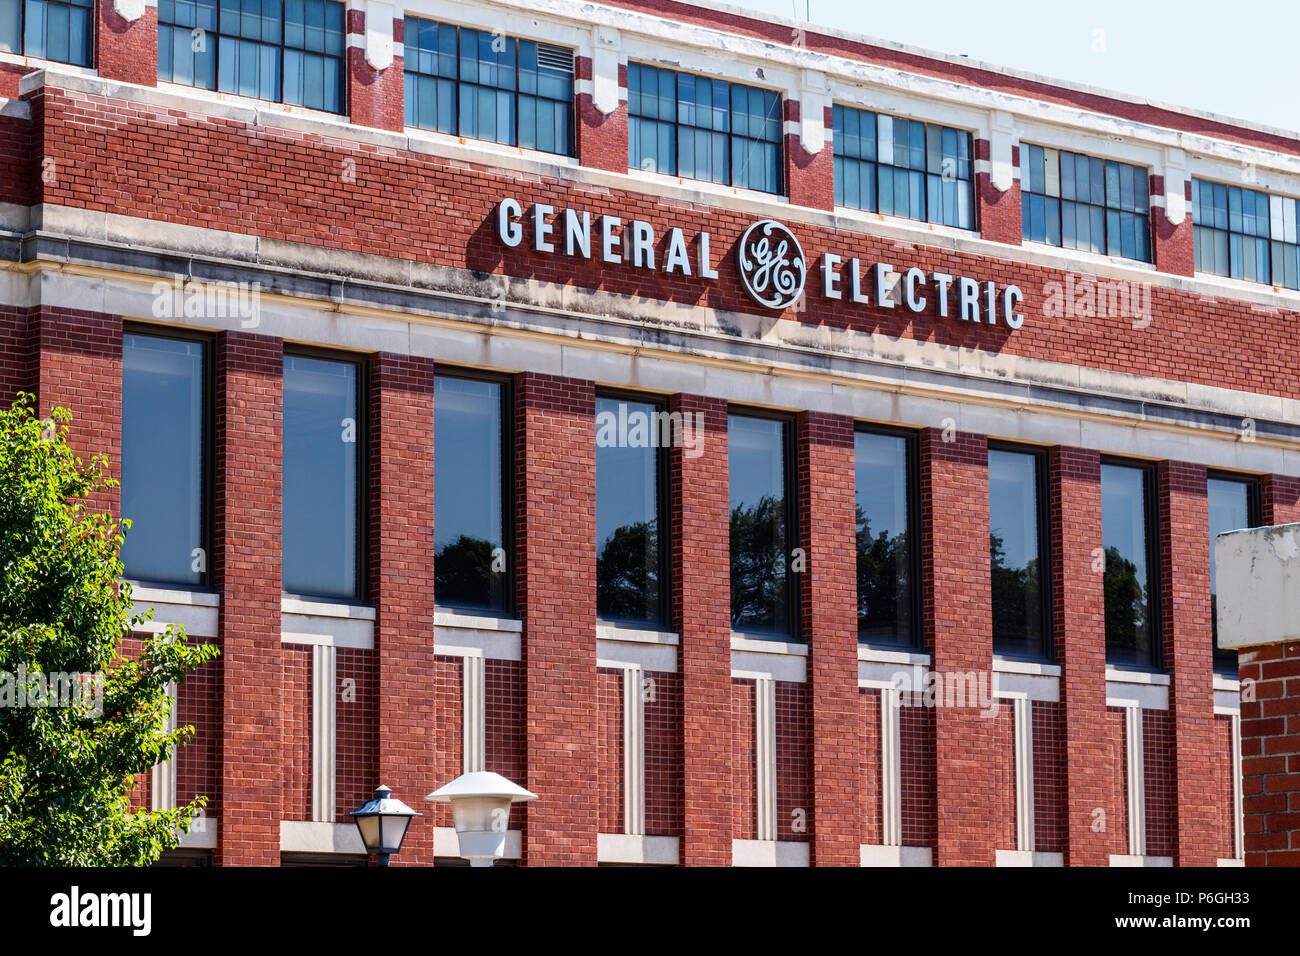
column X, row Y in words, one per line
column 246, row 566
column 1270, row 755
column 959, row 623
column 401, row 586
column 809, row 177
column 829, row 595
column 701, row 537
column 1172, row 250
column 556, row 595
column 998, row 216
column 375, row 97
column 1280, row 499
column 601, row 138
column 1188, row 653
column 126, row 50
column 1079, row 633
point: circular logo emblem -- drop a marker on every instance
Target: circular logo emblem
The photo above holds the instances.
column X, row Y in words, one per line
column 772, row 266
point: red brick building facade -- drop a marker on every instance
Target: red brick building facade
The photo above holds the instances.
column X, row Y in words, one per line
column 693, row 742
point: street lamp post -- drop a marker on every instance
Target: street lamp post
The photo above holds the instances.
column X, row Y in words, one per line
column 480, row 808
column 382, row 823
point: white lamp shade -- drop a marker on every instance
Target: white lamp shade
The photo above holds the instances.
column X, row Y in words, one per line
column 369, row 827
column 393, row 830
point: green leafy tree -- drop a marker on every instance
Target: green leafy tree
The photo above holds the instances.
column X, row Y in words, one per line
column 69, row 761
column 884, row 588
column 1127, row 609
column 627, row 572
column 1016, row 597
column 758, row 564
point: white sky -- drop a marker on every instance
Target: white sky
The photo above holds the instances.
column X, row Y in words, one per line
column 1240, row 59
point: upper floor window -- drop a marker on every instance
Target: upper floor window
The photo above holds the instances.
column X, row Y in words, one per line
column 1233, row 504
column 321, row 469
column 1018, row 552
column 60, row 30
column 1081, row 202
column 902, row 167
column 291, row 53
column 165, row 395
column 703, row 128
column 888, row 565
column 1130, row 580
column 487, row 86
column 763, row 595
column 472, row 496
column 1245, row 234
column 632, row 440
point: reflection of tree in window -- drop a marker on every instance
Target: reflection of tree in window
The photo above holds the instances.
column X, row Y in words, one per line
column 758, row 565
column 883, row 585
column 1127, row 625
column 463, row 571
column 1016, row 594
column 627, row 572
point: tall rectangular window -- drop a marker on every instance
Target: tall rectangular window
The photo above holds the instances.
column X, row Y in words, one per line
column 903, row 167
column 60, row 30
column 631, row 467
column 888, row 582
column 164, row 492
column 290, row 52
column 321, row 468
column 704, row 128
column 1131, row 581
column 763, row 596
column 1233, row 504
column 1245, row 234
column 487, row 86
column 1081, row 202
column 473, row 494
column 1018, row 552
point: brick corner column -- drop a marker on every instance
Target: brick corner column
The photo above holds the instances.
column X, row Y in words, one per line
column 701, row 606
column 1172, row 249
column 555, row 555
column 401, row 587
column 602, row 137
column 828, row 589
column 1188, row 654
column 1280, row 499
column 1270, row 754
column 810, row 176
column 376, row 98
column 959, row 625
column 1079, row 632
column 999, row 216
column 246, row 569
column 126, row 41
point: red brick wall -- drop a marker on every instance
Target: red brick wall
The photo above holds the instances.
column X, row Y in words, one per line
column 663, row 755
column 556, row 555
column 355, row 743
column 809, row 177
column 999, row 217
column 198, row 765
column 504, row 716
column 1172, row 248
column 1002, row 773
column 794, row 779
column 16, row 163
column 609, row 748
column 920, row 806
column 246, row 564
column 1050, row 799
column 1280, row 499
column 126, row 51
column 448, row 681
column 1160, row 800
column 296, row 712
column 869, row 795
column 401, row 583
column 601, row 138
column 1224, row 775
column 744, row 762
column 375, row 98
column 1270, row 753
column 1114, row 838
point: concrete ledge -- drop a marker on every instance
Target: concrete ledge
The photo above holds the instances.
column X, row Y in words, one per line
column 626, row 848
column 196, row 611
column 875, row 855
column 1126, row 859
column 769, row 853
column 300, row 836
column 1029, row 858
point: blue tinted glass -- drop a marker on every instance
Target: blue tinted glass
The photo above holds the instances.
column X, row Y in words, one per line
column 11, row 26
column 1229, row 510
column 1018, row 576
column 629, row 439
column 884, row 539
column 760, row 544
column 1128, row 585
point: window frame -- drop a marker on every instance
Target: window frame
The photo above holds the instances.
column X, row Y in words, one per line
column 1255, row 517
column 1042, row 477
column 509, row 488
column 92, row 8
column 1151, row 525
column 1199, row 229
column 207, row 447
column 663, row 504
column 514, row 92
column 782, row 186
column 912, row 484
column 790, row 472
column 362, row 364
column 876, row 165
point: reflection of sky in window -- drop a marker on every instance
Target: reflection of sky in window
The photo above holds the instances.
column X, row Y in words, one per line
column 1013, row 507
column 320, row 477
column 756, row 453
column 162, row 456
column 626, row 486
column 1229, row 511
column 467, row 460
column 1123, row 515
column 880, row 476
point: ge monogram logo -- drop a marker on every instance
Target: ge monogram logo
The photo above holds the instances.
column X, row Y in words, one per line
column 772, row 266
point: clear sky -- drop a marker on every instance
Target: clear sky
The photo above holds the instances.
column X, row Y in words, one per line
column 1240, row 59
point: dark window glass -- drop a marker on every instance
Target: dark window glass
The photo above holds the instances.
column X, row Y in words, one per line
column 60, row 30
column 1018, row 572
column 1130, row 580
column 1080, row 202
column 761, row 525
column 1233, row 505
column 901, row 167
column 163, row 421
column 703, row 128
column 629, row 534
column 1245, row 234
column 471, row 565
column 883, row 477
column 290, row 53
column 322, row 442
column 487, row 86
